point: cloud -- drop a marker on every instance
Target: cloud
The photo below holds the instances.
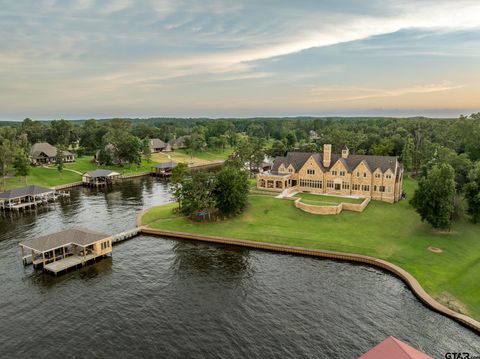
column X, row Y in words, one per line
column 355, row 93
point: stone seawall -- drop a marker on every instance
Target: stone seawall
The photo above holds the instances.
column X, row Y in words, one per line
column 390, row 267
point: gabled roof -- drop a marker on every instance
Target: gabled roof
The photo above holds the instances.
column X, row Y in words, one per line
column 101, row 173
column 25, row 191
column 298, row 159
column 179, row 141
column 46, row 148
column 157, row 143
column 392, row 348
column 78, row 236
column 166, row 165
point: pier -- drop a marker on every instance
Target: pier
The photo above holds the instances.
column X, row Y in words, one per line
column 29, row 197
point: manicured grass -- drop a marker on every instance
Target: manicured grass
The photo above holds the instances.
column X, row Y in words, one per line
column 392, row 232
column 327, row 199
column 44, row 177
column 197, row 158
column 50, row 177
column 209, row 154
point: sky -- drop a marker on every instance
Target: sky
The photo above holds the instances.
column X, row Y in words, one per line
column 78, row 59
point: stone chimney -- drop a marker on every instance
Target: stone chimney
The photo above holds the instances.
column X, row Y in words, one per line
column 327, row 155
column 345, row 152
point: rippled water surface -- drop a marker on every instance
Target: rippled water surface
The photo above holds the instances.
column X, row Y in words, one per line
column 167, row 298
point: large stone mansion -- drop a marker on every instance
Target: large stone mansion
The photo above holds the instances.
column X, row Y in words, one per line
column 376, row 177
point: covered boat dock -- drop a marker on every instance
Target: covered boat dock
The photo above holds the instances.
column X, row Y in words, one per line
column 28, row 197
column 164, row 169
column 100, row 178
column 58, row 252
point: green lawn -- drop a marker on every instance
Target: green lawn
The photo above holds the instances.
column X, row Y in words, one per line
column 310, row 197
column 209, row 154
column 50, row 177
column 392, row 232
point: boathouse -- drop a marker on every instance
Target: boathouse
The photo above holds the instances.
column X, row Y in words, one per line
column 100, row 177
column 71, row 248
column 27, row 197
column 163, row 169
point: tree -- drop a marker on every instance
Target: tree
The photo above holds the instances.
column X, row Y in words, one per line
column 231, row 192
column 278, row 149
column 435, row 196
column 176, row 181
column 472, row 194
column 21, row 164
column 407, row 154
column 105, row 156
column 197, row 194
column 384, row 148
column 59, row 159
column 147, row 153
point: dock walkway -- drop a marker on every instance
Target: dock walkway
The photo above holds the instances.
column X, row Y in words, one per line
column 66, row 263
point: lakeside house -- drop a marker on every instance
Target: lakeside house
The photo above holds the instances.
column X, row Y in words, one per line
column 63, row 250
column 392, row 348
column 163, row 169
column 178, row 143
column 27, row 197
column 44, row 153
column 157, row 145
column 375, row 177
column 100, row 177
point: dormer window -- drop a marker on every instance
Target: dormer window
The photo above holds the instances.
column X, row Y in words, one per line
column 364, row 174
column 310, row 172
column 290, row 169
column 378, row 175
column 334, row 173
column 342, row 173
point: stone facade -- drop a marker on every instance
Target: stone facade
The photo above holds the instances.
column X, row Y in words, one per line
column 376, row 177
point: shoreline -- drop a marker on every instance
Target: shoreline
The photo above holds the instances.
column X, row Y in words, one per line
column 399, row 272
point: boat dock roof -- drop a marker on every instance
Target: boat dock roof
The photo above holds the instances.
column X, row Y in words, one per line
column 101, row 173
column 78, row 236
column 25, row 192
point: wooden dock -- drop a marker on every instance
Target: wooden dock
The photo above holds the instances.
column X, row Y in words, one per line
column 67, row 263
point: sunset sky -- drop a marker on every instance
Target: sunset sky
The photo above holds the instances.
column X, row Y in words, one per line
column 127, row 58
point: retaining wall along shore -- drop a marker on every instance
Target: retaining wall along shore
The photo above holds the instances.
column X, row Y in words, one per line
column 405, row 276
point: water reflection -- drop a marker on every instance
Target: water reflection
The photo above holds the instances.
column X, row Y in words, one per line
column 193, row 258
column 160, row 297
column 101, row 268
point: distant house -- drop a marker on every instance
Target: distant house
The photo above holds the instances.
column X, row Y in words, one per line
column 100, row 177
column 157, row 145
column 44, row 153
column 262, row 167
column 178, row 143
column 164, row 169
column 392, row 348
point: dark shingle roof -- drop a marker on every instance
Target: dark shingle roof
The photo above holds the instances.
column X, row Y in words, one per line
column 79, row 236
column 166, row 165
column 102, row 173
column 180, row 141
column 44, row 147
column 25, row 191
column 157, row 143
column 298, row 159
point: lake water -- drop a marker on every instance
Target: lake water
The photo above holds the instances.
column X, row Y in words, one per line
column 176, row 299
